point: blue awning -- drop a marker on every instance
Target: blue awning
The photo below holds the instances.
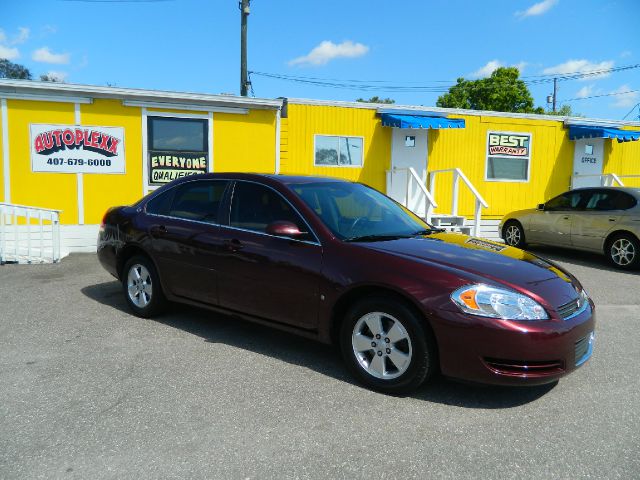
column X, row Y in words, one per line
column 577, row 132
column 419, row 121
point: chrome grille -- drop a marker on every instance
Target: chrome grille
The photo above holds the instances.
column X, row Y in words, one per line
column 570, row 308
column 583, row 349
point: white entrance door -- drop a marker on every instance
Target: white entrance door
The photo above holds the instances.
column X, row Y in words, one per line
column 408, row 150
column 587, row 160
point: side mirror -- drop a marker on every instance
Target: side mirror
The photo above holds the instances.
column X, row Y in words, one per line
column 541, row 206
column 283, row 228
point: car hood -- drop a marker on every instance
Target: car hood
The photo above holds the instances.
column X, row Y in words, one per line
column 493, row 261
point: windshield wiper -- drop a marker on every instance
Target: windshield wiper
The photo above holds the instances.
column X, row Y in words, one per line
column 375, row 238
column 428, row 231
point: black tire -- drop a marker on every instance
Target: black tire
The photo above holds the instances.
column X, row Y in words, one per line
column 157, row 302
column 513, row 234
column 623, row 251
column 423, row 358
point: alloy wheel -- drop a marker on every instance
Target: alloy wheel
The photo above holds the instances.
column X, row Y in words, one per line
column 139, row 285
column 623, row 252
column 381, row 345
column 513, row 235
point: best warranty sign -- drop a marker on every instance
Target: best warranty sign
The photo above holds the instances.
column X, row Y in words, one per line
column 504, row 144
column 77, row 149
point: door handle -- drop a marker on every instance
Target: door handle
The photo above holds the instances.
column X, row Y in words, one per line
column 612, row 219
column 566, row 218
column 233, row 245
column 158, row 230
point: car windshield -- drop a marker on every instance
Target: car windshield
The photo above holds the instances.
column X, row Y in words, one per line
column 355, row 212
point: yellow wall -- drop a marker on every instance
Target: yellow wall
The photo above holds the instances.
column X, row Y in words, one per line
column 244, row 143
column 305, row 121
column 102, row 191
column 45, row 190
column 623, row 159
column 549, row 174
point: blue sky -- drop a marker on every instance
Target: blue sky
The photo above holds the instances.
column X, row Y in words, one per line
column 193, row 45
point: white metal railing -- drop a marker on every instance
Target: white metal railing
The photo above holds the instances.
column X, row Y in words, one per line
column 606, row 179
column 409, row 199
column 458, row 174
column 29, row 234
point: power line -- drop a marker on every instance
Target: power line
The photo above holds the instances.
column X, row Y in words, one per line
column 598, row 96
column 630, row 111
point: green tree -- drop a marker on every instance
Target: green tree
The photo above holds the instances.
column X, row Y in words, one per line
column 13, row 70
column 377, row 99
column 50, row 78
column 565, row 111
column 503, row 91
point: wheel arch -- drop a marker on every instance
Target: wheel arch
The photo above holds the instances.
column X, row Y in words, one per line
column 506, row 224
column 614, row 234
column 356, row 294
column 129, row 251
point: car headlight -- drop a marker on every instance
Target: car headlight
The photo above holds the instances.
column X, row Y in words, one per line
column 497, row 302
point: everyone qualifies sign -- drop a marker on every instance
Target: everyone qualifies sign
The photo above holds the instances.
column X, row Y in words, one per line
column 77, row 149
column 166, row 166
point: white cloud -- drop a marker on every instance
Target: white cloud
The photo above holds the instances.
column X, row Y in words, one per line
column 327, row 51
column 487, row 69
column 585, row 91
column 580, row 66
column 45, row 55
column 49, row 30
column 10, row 53
column 492, row 65
column 625, row 54
column 536, row 9
column 57, row 76
column 625, row 100
column 21, row 37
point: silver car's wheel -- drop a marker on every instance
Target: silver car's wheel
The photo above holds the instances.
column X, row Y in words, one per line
column 381, row 345
column 622, row 252
column 513, row 234
column 139, row 285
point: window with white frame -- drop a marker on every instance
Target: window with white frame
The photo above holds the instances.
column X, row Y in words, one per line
column 508, row 156
column 338, row 151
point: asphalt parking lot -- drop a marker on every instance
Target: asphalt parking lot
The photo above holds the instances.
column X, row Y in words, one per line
column 89, row 391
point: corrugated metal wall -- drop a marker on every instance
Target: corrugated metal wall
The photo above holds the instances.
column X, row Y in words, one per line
column 623, row 159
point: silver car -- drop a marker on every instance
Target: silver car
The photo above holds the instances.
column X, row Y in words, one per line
column 603, row 219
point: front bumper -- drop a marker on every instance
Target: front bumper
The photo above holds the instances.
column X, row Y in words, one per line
column 503, row 352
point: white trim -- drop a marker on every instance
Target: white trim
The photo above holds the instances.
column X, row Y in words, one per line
column 79, row 176
column 182, row 106
column 210, row 141
column 45, row 98
column 202, row 116
column 453, row 111
column 6, row 167
column 145, row 153
column 315, row 135
column 486, row 158
column 277, row 160
column 12, row 87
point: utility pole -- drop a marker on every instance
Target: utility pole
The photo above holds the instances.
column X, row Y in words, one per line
column 555, row 93
column 244, row 14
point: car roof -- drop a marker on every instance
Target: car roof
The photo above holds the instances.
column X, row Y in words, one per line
column 284, row 179
column 631, row 190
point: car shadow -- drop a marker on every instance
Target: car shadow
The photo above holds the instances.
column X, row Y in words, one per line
column 216, row 328
column 577, row 257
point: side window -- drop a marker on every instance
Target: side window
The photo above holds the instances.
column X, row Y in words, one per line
column 566, row 201
column 199, row 200
column 604, row 200
column 254, row 206
column 160, row 204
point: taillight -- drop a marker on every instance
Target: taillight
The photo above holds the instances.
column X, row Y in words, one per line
column 104, row 220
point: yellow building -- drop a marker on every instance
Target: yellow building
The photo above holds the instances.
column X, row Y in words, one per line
column 81, row 149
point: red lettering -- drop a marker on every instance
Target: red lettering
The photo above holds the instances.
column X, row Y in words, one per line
column 67, row 137
column 47, row 137
column 103, row 143
column 38, row 144
column 78, row 137
column 113, row 148
column 57, row 134
column 94, row 139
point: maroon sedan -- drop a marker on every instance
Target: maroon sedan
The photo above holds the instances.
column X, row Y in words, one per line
column 342, row 263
